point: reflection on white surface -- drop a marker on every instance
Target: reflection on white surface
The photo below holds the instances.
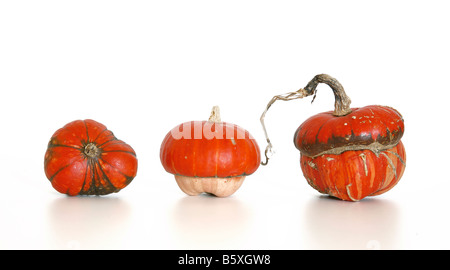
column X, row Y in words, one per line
column 206, row 221
column 88, row 222
column 371, row 223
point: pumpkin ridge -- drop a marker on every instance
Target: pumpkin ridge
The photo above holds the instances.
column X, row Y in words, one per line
column 107, row 178
column 87, row 131
column 113, row 139
column 119, row 151
column 122, row 173
column 347, row 181
column 85, row 176
column 99, row 134
column 60, row 169
column 89, row 178
column 62, row 145
column 398, row 156
column 391, row 164
column 95, row 180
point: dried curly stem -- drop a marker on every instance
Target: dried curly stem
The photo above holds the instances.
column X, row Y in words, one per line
column 342, row 101
column 301, row 93
column 341, row 105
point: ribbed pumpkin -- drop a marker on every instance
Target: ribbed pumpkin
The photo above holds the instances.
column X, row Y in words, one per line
column 209, row 156
column 350, row 153
column 85, row 158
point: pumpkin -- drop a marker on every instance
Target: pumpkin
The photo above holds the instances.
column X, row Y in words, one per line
column 348, row 153
column 85, row 158
column 209, row 156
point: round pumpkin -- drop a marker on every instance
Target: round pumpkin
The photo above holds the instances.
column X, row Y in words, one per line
column 209, row 156
column 85, row 158
column 350, row 153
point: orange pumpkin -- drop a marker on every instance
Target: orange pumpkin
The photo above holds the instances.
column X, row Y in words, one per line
column 209, row 156
column 85, row 158
column 349, row 153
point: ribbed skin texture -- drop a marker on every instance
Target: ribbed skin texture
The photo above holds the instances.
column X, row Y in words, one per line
column 352, row 156
column 85, row 158
column 209, row 149
column 353, row 175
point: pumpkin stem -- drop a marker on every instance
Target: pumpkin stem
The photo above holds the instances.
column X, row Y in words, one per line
column 341, row 105
column 342, row 101
column 301, row 93
column 91, row 150
column 215, row 115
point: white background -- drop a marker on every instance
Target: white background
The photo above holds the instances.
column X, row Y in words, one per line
column 143, row 67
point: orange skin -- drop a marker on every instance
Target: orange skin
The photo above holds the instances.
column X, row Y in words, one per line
column 352, row 156
column 202, row 151
column 361, row 127
column 353, row 175
column 198, row 156
column 85, row 158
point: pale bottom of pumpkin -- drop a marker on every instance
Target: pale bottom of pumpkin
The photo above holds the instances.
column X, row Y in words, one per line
column 220, row 187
